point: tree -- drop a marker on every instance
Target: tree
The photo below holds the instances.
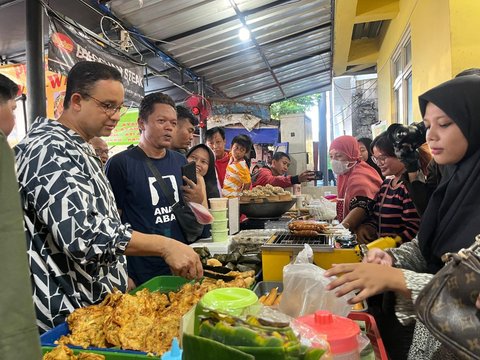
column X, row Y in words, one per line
column 293, row 106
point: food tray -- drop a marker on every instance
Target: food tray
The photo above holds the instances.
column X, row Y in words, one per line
column 163, row 284
column 109, row 355
column 159, row 283
column 251, row 239
column 372, row 333
column 264, row 287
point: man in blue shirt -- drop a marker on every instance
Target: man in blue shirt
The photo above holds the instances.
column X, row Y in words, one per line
column 139, row 198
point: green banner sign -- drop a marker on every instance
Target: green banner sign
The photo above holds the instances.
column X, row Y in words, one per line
column 126, row 132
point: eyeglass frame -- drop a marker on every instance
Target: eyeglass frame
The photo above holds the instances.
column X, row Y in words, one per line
column 108, row 108
column 99, row 152
column 377, row 161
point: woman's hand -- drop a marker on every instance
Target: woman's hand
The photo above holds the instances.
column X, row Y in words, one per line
column 477, row 304
column 377, row 256
column 366, row 233
column 365, row 279
column 193, row 192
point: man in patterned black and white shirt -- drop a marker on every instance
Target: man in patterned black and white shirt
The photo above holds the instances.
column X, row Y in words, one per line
column 77, row 242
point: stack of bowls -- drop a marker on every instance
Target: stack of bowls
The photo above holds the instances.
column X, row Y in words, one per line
column 218, row 209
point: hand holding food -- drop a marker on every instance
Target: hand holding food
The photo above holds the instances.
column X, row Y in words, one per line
column 183, row 260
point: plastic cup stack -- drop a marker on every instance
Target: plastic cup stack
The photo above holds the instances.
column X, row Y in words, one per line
column 218, row 209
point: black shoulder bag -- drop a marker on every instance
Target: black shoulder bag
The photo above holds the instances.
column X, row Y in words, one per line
column 191, row 229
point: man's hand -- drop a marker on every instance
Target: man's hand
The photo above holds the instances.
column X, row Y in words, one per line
column 306, row 176
column 183, row 260
column 477, row 304
column 366, row 233
column 192, row 192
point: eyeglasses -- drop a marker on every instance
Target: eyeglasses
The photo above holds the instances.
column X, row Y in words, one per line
column 100, row 152
column 109, row 109
column 380, row 160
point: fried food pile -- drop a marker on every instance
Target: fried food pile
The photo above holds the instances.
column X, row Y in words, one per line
column 272, row 193
column 62, row 352
column 146, row 321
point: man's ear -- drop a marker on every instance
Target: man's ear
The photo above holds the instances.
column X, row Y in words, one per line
column 75, row 101
column 141, row 124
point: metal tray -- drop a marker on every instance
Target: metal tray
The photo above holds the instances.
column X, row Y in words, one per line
column 266, row 210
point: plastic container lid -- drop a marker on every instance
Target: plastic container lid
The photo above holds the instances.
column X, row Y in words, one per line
column 342, row 333
column 175, row 353
column 230, row 300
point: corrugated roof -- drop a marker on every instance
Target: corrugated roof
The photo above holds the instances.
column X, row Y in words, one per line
column 289, row 53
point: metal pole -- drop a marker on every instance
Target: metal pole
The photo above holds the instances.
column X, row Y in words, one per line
column 36, row 105
column 201, row 91
column 322, row 137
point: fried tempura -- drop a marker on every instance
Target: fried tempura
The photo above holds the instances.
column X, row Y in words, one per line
column 62, row 352
column 146, row 321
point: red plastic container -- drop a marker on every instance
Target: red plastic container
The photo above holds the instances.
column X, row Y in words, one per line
column 342, row 333
column 372, row 333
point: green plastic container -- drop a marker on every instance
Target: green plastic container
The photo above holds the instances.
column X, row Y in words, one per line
column 233, row 301
column 219, row 225
column 109, row 355
column 219, row 214
column 219, row 235
column 163, row 284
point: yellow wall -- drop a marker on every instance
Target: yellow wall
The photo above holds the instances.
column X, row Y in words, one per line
column 445, row 40
column 428, row 21
column 465, row 38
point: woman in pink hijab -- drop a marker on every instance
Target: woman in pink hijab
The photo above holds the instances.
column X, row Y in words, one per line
column 358, row 182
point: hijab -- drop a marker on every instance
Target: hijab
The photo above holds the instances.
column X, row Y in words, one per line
column 452, row 218
column 361, row 179
column 211, row 182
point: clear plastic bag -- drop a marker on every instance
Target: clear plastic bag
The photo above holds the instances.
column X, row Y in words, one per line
column 322, row 209
column 304, row 289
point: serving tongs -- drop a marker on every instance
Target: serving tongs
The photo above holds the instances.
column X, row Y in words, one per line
column 217, row 272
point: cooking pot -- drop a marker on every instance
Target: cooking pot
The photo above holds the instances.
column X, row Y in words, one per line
column 266, row 209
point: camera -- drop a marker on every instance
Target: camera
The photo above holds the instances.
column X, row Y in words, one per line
column 406, row 138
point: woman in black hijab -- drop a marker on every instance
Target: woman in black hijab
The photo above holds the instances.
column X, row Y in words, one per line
column 451, row 113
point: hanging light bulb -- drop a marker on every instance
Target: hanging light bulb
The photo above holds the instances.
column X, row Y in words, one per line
column 244, row 33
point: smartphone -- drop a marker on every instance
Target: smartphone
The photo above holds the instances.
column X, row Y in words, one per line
column 318, row 175
column 190, row 171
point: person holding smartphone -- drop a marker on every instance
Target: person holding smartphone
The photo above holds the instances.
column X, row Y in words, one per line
column 139, row 197
column 275, row 173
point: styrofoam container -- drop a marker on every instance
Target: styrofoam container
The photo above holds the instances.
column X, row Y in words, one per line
column 218, row 203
